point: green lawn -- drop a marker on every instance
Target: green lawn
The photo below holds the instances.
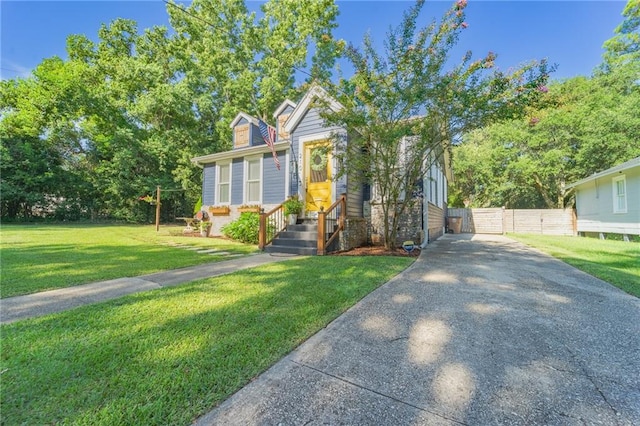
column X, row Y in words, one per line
column 44, row 257
column 616, row 262
column 170, row 355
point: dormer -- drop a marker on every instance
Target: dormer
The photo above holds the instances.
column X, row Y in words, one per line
column 281, row 115
column 246, row 132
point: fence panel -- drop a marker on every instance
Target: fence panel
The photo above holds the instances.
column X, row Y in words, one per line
column 534, row 221
column 465, row 214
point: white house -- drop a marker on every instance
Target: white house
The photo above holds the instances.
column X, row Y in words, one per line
column 609, row 201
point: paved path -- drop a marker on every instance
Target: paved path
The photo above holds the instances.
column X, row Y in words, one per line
column 478, row 331
column 48, row 302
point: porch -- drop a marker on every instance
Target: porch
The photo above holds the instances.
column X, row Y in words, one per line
column 307, row 236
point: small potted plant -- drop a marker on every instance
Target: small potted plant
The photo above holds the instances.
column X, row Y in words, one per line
column 292, row 208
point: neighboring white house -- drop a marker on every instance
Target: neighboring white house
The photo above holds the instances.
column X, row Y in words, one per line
column 609, row 201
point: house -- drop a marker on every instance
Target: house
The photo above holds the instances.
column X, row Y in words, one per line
column 248, row 175
column 609, row 201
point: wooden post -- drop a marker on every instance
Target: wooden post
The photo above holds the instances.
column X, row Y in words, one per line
column 321, row 232
column 262, row 230
column 157, row 208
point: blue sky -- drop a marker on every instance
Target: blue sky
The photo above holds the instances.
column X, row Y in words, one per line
column 568, row 33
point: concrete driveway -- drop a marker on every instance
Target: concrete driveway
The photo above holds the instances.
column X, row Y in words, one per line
column 480, row 330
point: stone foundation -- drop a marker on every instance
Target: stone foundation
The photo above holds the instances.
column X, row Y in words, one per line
column 409, row 225
column 354, row 233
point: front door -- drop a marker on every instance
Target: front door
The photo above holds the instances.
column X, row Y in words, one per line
column 318, row 176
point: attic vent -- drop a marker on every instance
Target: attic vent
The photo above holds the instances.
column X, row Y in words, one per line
column 241, row 136
column 282, row 134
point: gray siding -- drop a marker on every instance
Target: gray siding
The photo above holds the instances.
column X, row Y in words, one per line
column 354, row 198
column 273, row 180
column 256, row 137
column 237, row 181
column 209, row 184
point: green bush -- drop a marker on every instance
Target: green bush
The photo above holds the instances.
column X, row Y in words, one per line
column 244, row 229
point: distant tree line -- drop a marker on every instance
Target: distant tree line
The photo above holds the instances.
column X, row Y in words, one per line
column 582, row 126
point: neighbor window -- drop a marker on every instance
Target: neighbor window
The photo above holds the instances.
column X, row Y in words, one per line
column 224, row 183
column 252, row 185
column 619, row 194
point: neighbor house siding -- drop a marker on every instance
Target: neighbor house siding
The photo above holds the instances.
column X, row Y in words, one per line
column 209, row 184
column 237, row 181
column 273, row 183
column 594, row 205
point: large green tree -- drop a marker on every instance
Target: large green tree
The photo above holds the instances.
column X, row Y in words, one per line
column 413, row 90
column 127, row 113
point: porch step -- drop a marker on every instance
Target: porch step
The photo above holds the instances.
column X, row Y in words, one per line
column 304, row 251
column 294, row 242
column 296, row 239
column 298, row 235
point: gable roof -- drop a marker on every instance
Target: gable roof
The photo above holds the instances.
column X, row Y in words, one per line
column 616, row 169
column 242, row 115
column 284, row 106
column 315, row 92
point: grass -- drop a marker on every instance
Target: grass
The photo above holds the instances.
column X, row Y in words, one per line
column 170, row 355
column 616, row 262
column 44, row 257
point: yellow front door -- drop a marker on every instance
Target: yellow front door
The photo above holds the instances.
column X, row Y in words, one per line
column 318, row 176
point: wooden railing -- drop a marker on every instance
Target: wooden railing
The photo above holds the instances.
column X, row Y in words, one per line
column 271, row 224
column 330, row 223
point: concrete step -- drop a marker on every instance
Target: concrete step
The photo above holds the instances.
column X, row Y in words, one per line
column 305, row 251
column 305, row 227
column 298, row 235
column 294, row 242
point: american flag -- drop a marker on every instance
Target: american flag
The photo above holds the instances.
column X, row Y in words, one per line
column 269, row 135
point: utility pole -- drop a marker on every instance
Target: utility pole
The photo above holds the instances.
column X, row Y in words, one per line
column 157, row 208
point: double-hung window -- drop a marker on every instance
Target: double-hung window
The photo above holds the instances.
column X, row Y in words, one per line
column 619, row 194
column 253, row 181
column 224, row 183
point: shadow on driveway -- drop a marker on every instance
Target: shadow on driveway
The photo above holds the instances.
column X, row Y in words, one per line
column 479, row 330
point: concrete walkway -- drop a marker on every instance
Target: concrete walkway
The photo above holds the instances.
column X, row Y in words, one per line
column 48, row 302
column 480, row 330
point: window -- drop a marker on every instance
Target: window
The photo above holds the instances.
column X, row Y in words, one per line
column 619, row 194
column 253, row 173
column 224, row 183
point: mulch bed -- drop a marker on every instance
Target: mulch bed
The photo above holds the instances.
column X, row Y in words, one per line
column 376, row 251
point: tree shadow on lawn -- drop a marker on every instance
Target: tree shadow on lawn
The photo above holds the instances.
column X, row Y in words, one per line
column 32, row 269
column 167, row 356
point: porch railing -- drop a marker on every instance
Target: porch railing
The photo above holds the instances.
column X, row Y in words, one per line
column 330, row 223
column 271, row 224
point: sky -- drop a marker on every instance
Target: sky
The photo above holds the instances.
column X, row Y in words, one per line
column 567, row 33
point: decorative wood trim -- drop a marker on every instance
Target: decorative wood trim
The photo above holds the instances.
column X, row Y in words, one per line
column 255, row 209
column 282, row 133
column 219, row 211
column 241, row 136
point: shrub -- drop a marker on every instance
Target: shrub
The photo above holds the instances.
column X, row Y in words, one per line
column 244, row 229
